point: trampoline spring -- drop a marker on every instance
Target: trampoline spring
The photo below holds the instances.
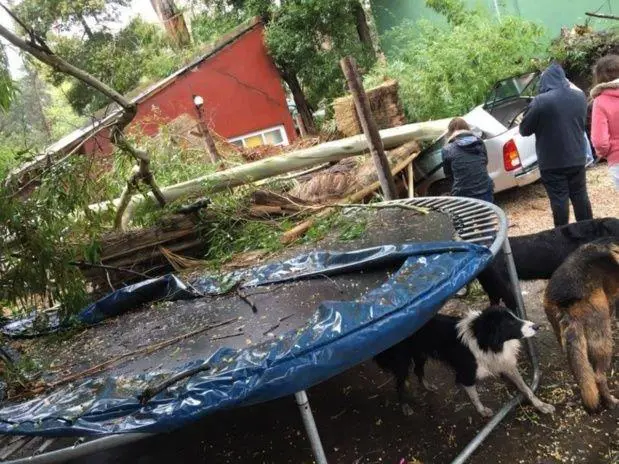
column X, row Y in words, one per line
column 475, row 233
column 15, row 446
column 479, row 217
column 466, row 209
column 487, row 238
column 488, row 226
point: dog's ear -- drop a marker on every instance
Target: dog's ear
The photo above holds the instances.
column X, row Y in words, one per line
column 582, row 231
column 490, row 336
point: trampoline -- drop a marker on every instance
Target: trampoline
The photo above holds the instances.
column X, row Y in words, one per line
column 286, row 356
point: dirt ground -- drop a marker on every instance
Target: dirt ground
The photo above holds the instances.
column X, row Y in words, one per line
column 360, row 422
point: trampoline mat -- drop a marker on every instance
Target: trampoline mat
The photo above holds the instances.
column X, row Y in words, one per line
column 271, row 341
column 277, row 308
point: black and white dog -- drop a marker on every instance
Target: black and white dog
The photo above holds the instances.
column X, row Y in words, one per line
column 480, row 345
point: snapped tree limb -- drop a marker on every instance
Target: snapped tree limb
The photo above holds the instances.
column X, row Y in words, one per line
column 289, row 162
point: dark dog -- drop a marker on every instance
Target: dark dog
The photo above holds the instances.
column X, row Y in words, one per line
column 480, row 345
column 537, row 256
column 579, row 305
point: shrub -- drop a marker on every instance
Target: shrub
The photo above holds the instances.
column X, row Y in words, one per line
column 578, row 50
column 445, row 71
column 41, row 236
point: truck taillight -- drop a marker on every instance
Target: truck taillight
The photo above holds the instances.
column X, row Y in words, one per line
column 511, row 157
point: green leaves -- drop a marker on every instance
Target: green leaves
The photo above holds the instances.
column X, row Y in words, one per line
column 579, row 52
column 7, row 86
column 446, row 71
column 39, row 241
column 46, row 16
column 310, row 37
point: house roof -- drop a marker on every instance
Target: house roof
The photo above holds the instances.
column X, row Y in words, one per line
column 112, row 112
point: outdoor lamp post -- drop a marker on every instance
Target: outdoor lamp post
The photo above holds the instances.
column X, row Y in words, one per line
column 198, row 103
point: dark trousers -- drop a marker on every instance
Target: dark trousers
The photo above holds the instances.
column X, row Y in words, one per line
column 565, row 185
column 488, row 196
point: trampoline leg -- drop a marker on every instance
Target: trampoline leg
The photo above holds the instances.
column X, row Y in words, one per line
column 310, row 427
column 506, row 409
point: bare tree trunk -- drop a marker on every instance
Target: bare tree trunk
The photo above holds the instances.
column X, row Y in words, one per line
column 369, row 23
column 86, row 27
column 363, row 29
column 297, row 160
column 303, row 106
column 173, row 21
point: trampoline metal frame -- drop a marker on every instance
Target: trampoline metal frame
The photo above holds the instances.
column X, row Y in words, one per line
column 475, row 221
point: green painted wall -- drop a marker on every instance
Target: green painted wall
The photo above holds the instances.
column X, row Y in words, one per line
column 553, row 14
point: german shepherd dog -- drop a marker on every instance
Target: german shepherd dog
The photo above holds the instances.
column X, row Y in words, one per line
column 537, row 256
column 579, row 304
column 480, row 345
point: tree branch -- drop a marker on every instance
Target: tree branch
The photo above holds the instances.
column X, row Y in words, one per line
column 141, row 172
column 603, row 16
column 40, row 51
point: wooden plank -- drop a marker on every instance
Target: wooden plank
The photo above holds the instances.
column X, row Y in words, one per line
column 411, row 186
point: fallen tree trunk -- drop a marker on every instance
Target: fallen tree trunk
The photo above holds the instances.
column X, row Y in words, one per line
column 293, row 161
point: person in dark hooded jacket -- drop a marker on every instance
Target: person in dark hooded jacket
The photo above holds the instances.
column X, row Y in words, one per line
column 465, row 160
column 557, row 118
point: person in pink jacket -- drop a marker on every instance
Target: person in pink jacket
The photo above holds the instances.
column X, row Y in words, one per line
column 605, row 115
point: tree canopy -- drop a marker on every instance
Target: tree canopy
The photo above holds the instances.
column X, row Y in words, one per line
column 121, row 60
column 47, row 16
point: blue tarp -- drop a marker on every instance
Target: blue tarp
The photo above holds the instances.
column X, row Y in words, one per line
column 339, row 335
column 168, row 287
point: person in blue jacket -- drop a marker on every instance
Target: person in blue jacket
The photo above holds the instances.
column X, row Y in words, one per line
column 557, row 117
column 465, row 160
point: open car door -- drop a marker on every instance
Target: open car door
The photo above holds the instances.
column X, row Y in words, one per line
column 523, row 85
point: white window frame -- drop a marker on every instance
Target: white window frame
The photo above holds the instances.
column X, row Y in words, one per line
column 282, row 131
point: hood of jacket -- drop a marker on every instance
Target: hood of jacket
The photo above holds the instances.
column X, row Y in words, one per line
column 553, row 78
column 466, row 140
column 608, row 88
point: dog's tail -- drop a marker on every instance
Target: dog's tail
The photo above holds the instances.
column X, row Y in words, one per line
column 574, row 342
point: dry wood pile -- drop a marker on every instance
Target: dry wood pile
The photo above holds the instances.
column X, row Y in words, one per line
column 385, row 105
column 265, row 203
column 137, row 254
column 346, row 177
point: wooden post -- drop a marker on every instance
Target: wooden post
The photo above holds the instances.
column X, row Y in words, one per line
column 411, row 186
column 370, row 129
column 209, row 143
column 300, row 125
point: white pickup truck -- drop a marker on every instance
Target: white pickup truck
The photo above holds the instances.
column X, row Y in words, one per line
column 512, row 159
